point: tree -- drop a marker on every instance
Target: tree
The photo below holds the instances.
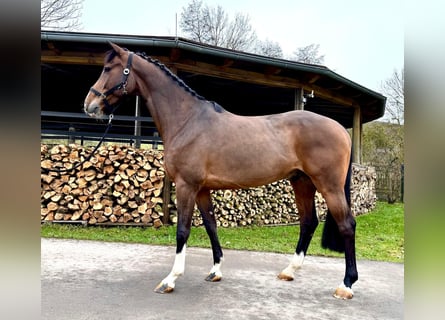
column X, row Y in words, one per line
column 268, row 48
column 383, row 148
column 308, row 54
column 60, row 14
column 211, row 25
column 239, row 35
column 215, row 24
column 394, row 90
column 383, row 142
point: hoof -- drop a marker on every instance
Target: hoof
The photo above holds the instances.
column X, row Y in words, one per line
column 343, row 292
column 163, row 288
column 212, row 277
column 285, row 277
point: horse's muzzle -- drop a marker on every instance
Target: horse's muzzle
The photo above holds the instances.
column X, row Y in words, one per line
column 93, row 110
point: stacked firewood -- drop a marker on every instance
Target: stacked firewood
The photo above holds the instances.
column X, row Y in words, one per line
column 363, row 192
column 116, row 185
column 123, row 185
column 265, row 205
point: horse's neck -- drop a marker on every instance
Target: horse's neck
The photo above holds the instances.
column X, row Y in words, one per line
column 169, row 104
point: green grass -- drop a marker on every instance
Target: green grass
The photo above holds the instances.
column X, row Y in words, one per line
column 379, row 236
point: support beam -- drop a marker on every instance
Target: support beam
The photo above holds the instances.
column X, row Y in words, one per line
column 357, row 136
column 137, row 123
column 202, row 68
column 299, row 99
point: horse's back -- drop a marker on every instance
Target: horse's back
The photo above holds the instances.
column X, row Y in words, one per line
column 310, row 129
column 304, row 120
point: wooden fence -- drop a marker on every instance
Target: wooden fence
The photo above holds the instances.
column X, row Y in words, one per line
column 72, row 127
column 390, row 183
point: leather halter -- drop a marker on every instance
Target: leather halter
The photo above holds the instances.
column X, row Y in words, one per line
column 122, row 85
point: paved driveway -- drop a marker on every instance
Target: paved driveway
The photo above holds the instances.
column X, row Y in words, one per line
column 99, row 280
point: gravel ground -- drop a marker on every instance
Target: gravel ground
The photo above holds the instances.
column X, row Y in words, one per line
column 100, row 280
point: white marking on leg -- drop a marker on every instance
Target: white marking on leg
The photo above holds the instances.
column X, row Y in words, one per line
column 216, row 269
column 177, row 270
column 295, row 264
column 343, row 292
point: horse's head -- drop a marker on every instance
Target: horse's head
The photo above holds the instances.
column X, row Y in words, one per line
column 112, row 85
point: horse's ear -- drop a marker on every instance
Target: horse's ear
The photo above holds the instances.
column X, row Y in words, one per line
column 116, row 48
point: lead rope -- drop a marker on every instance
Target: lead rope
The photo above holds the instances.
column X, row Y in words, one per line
column 110, row 118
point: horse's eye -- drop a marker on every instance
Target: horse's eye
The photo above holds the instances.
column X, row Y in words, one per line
column 107, row 69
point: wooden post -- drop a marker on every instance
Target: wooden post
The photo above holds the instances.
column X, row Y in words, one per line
column 137, row 123
column 299, row 99
column 356, row 136
column 71, row 139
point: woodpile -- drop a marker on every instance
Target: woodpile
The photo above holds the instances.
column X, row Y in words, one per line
column 123, row 185
column 265, row 205
column 363, row 189
column 118, row 185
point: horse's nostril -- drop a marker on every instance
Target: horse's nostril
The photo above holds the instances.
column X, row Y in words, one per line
column 92, row 108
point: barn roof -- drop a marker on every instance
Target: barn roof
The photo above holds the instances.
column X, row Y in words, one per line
column 242, row 83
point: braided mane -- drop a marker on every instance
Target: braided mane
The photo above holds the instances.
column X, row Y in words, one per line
column 170, row 74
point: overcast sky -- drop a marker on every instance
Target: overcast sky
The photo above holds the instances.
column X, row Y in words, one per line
column 361, row 40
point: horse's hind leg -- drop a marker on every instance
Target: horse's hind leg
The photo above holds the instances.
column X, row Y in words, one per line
column 304, row 191
column 205, row 206
column 345, row 227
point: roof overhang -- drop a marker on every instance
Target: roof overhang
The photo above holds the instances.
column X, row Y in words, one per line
column 209, row 69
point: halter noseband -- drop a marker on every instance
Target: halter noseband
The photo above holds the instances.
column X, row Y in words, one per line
column 122, row 85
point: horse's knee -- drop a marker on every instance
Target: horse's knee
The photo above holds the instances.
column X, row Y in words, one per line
column 182, row 235
column 309, row 225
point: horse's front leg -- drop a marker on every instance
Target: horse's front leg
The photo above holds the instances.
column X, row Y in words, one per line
column 205, row 206
column 304, row 191
column 185, row 203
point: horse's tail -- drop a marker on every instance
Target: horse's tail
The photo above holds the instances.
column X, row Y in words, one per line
column 332, row 238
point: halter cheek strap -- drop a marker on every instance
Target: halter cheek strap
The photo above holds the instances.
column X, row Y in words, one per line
column 122, row 85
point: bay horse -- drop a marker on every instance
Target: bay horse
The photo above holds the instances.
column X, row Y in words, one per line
column 208, row 148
